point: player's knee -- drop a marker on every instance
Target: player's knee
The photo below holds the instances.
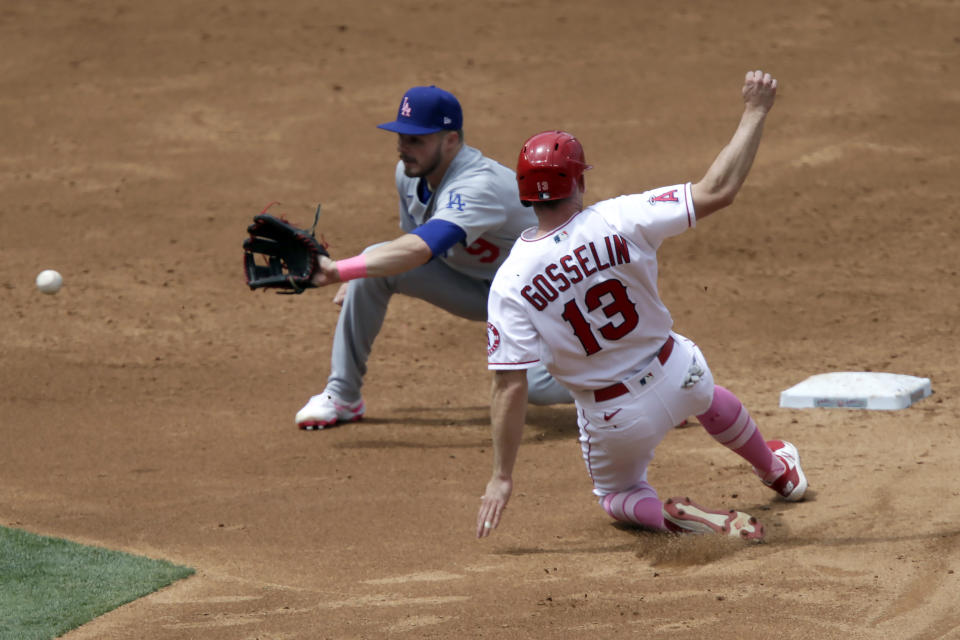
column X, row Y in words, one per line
column 724, row 408
column 543, row 390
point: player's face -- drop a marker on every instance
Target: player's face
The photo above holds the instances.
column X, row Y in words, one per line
column 421, row 155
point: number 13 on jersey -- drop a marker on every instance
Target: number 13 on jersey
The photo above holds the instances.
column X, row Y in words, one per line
column 611, row 297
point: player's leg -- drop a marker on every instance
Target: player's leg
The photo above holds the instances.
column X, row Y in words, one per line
column 358, row 324
column 639, row 505
column 466, row 297
column 725, row 418
column 776, row 462
column 365, row 308
column 360, row 321
column 718, row 410
column 617, row 455
column 730, row 424
column 543, row 390
column 446, row 288
column 618, row 439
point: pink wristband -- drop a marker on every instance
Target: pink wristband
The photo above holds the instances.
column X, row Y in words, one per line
column 352, row 268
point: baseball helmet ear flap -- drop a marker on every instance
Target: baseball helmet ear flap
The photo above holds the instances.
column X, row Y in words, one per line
column 549, row 166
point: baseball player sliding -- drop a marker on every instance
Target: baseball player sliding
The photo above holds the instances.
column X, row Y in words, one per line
column 578, row 294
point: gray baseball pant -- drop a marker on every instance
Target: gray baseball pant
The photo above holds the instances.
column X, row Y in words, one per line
column 365, row 308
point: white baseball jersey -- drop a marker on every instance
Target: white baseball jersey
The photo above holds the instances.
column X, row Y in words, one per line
column 480, row 196
column 583, row 299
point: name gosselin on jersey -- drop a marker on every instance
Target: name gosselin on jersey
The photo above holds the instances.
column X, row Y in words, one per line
column 586, row 260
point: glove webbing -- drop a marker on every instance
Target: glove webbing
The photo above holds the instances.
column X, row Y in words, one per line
column 313, row 234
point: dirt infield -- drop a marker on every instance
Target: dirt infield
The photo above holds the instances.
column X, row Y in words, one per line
column 149, row 406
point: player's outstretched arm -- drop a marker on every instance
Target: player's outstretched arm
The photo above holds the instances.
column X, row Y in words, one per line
column 720, row 185
column 397, row 256
column 508, row 412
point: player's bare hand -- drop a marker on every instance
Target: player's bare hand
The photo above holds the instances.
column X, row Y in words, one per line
column 492, row 504
column 341, row 294
column 759, row 90
column 327, row 274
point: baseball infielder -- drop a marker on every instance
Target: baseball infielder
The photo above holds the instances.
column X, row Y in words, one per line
column 461, row 213
column 578, row 294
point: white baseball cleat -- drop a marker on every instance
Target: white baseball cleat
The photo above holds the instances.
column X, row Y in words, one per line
column 326, row 410
column 682, row 515
column 792, row 485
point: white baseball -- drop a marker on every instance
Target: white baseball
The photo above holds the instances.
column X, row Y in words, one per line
column 49, row 281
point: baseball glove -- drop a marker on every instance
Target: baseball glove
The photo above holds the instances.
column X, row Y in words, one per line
column 292, row 255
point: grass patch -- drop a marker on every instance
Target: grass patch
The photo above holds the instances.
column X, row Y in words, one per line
column 49, row 586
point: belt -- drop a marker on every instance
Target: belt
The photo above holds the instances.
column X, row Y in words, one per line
column 618, row 389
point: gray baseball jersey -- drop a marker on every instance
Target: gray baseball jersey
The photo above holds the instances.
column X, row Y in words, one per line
column 480, row 196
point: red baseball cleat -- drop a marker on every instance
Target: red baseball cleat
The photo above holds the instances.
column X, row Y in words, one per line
column 792, row 485
column 681, row 515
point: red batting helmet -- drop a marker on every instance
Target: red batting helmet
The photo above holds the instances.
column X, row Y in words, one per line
column 550, row 164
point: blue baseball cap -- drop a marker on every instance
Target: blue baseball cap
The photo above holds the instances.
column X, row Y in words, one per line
column 426, row 110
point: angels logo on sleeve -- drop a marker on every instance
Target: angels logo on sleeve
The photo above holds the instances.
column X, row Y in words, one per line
column 666, row 196
column 493, row 339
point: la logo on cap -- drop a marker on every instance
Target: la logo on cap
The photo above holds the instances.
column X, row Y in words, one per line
column 426, row 110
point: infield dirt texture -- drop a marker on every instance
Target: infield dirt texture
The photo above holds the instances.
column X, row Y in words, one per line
column 148, row 407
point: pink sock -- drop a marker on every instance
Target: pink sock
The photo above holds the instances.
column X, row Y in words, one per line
column 731, row 425
column 639, row 506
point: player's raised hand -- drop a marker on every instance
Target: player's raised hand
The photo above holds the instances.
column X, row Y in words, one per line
column 759, row 90
column 492, row 504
